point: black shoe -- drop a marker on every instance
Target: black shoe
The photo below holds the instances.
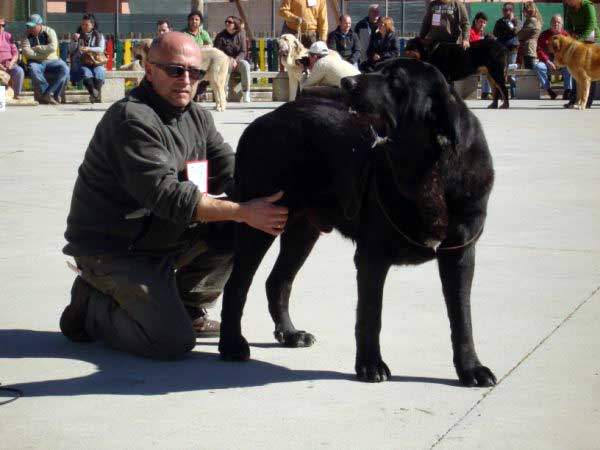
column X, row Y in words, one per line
column 567, row 94
column 72, row 321
column 551, row 93
column 570, row 105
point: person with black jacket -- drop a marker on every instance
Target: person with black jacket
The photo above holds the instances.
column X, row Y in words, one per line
column 344, row 41
column 383, row 45
column 152, row 247
column 366, row 28
column 232, row 42
column 506, row 30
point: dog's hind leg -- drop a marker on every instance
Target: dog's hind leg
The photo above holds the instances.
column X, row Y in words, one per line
column 456, row 269
column 250, row 248
column 296, row 244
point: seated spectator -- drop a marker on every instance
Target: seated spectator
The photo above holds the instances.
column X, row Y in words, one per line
column 446, row 21
column 163, row 26
column 366, row 28
column 326, row 69
column 505, row 31
column 383, row 44
column 9, row 56
column 40, row 47
column 528, row 36
column 195, row 30
column 87, row 39
column 476, row 34
column 546, row 64
column 344, row 41
column 232, row 41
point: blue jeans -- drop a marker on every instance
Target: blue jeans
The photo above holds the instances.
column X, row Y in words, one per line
column 541, row 70
column 58, row 72
column 81, row 72
column 485, row 85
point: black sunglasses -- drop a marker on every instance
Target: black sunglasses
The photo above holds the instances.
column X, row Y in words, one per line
column 229, row 21
column 176, row 71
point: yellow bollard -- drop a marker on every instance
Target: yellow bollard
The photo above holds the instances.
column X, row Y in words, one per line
column 261, row 58
column 127, row 52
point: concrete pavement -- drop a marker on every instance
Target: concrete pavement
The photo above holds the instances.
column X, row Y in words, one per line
column 536, row 310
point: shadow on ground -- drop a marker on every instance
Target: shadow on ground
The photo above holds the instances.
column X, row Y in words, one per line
column 122, row 374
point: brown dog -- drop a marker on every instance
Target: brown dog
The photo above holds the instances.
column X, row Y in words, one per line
column 583, row 61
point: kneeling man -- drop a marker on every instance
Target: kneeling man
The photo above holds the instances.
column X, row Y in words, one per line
column 152, row 248
column 326, row 68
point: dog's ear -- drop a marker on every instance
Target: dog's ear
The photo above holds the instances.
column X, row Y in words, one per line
column 446, row 115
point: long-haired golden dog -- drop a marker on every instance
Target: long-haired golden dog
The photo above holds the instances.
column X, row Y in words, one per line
column 583, row 61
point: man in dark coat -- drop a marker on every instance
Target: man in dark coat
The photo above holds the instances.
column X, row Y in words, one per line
column 345, row 41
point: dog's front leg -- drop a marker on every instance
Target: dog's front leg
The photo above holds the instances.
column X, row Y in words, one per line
column 371, row 274
column 456, row 269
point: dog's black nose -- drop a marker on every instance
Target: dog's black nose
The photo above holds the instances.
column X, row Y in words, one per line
column 349, row 83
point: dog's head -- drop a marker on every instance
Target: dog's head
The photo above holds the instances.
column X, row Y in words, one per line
column 415, row 48
column 291, row 49
column 141, row 49
column 403, row 98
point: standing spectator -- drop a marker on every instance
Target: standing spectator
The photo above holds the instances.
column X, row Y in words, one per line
column 195, row 30
column 581, row 23
column 232, row 41
column 366, row 28
column 383, row 45
column 163, row 26
column 506, row 30
column 40, row 47
column 476, row 34
column 344, row 41
column 326, row 69
column 306, row 19
column 529, row 34
column 87, row 39
column 546, row 64
column 446, row 21
column 9, row 55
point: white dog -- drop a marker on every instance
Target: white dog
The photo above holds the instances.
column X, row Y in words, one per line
column 291, row 51
column 214, row 62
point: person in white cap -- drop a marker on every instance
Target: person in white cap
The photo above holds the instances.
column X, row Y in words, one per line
column 327, row 68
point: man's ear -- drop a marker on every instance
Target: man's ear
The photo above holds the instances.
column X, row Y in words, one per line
column 148, row 70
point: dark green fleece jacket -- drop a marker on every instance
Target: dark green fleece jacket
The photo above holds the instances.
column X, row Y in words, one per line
column 132, row 193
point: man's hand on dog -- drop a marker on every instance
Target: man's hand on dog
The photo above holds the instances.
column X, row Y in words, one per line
column 264, row 215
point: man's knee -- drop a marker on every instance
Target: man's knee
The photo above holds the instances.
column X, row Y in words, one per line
column 37, row 70
column 174, row 343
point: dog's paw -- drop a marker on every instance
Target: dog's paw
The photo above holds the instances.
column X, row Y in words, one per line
column 296, row 339
column 478, row 376
column 504, row 106
column 373, row 372
column 494, row 106
column 234, row 349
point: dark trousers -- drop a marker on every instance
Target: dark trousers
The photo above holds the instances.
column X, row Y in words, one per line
column 144, row 305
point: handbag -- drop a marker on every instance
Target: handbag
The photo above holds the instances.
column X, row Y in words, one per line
column 93, row 59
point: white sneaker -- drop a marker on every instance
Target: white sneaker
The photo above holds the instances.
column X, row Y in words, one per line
column 246, row 97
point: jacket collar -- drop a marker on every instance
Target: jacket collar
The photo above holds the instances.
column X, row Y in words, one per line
column 163, row 108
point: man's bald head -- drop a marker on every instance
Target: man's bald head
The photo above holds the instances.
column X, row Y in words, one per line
column 173, row 49
column 168, row 45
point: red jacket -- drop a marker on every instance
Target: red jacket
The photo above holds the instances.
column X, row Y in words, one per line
column 476, row 35
column 542, row 45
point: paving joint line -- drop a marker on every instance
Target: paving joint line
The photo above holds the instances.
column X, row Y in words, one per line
column 53, row 208
column 515, row 367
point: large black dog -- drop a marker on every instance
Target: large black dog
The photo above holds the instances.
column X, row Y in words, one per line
column 400, row 165
column 485, row 56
